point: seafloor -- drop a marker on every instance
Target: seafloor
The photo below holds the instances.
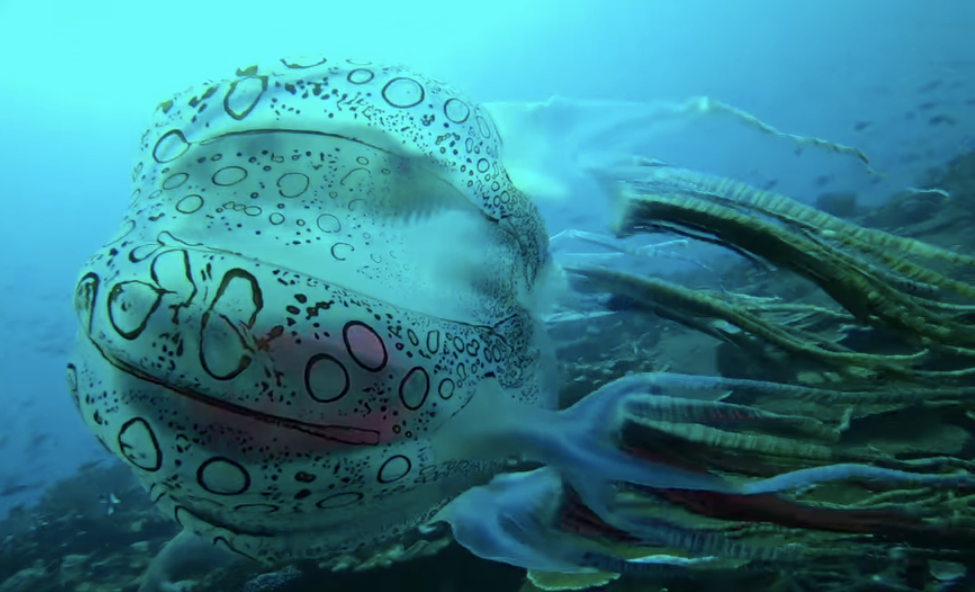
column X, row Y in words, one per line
column 70, row 541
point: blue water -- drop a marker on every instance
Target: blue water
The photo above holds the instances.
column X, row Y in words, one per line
column 894, row 78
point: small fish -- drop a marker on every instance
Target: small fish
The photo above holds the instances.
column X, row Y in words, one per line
column 823, row 180
column 90, row 465
column 39, row 439
column 13, row 489
column 110, row 502
column 927, row 106
column 942, row 118
column 930, row 86
column 859, row 126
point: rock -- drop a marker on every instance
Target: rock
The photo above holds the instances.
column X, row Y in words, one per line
column 29, row 579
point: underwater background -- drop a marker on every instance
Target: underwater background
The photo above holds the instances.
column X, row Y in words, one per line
column 862, row 109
